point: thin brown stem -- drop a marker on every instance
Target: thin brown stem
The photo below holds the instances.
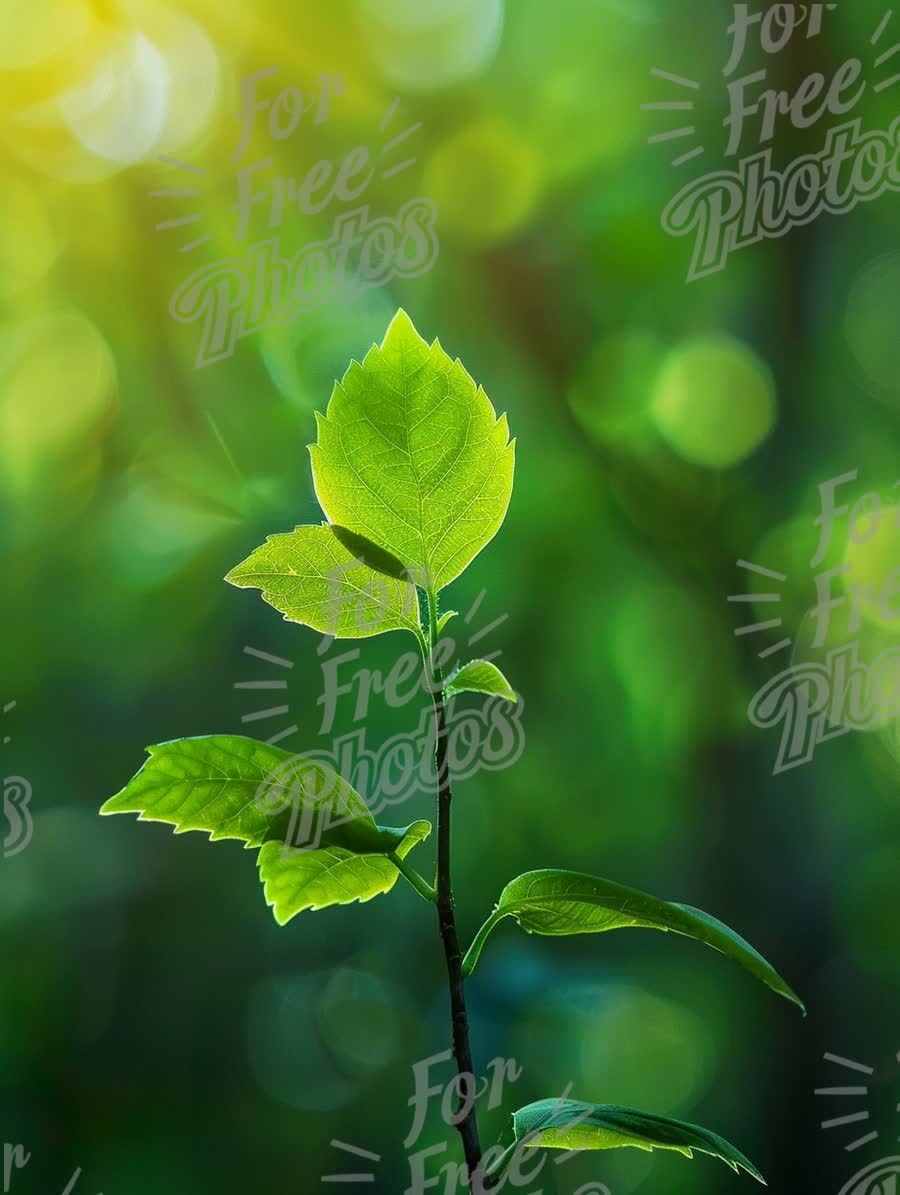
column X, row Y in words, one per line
column 467, row 1126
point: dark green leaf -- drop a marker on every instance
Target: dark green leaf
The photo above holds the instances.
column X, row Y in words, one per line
column 570, row 902
column 571, row 1124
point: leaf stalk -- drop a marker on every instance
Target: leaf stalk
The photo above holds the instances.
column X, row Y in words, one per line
column 418, row 882
column 467, row 1126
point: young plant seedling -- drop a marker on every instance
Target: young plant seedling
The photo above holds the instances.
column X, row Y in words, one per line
column 414, row 473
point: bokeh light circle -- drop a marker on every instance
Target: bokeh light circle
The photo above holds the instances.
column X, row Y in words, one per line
column 484, row 180
column 714, row 401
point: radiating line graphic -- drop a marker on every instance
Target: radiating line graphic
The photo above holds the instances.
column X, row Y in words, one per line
column 388, row 116
column 182, row 165
column 692, row 153
column 280, row 685
column 283, row 734
column 886, row 55
column 390, row 146
column 854, row 1091
column 882, row 26
column 179, row 222
column 179, row 193
column 849, row 1064
column 758, row 626
column 687, row 131
column 669, row 106
column 679, row 79
column 474, row 608
column 779, row 646
column 752, row 598
column 763, row 572
column 193, row 244
column 674, row 106
column 258, row 715
column 396, row 169
column 264, row 655
column 853, row 1118
column 361, row 1177
column 755, row 597
column 354, row 1149
column 8, row 708
column 268, row 685
column 861, row 1141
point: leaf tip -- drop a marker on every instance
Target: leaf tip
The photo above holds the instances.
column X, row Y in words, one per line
column 401, row 327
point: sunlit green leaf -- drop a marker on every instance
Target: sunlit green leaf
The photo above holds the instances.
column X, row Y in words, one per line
column 316, row 576
column 411, row 455
column 480, row 676
column 332, row 874
column 320, row 844
column 231, row 787
column 569, row 902
column 571, row 1124
column 444, row 619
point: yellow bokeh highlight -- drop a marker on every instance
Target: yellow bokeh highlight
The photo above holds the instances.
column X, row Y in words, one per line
column 425, row 45
column 484, row 180
column 86, row 89
column 57, row 381
column 35, row 32
column 28, row 242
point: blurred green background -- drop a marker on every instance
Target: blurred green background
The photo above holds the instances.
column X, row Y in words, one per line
column 156, row 1028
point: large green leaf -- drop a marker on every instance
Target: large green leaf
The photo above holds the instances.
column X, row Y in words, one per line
column 232, row 787
column 332, row 874
column 324, row 577
column 411, row 454
column 480, row 676
column 571, row 1124
column 320, row 844
column 570, row 902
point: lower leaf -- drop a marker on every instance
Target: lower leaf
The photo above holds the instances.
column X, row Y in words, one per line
column 571, row 1124
column 296, row 880
column 554, row 903
column 319, row 843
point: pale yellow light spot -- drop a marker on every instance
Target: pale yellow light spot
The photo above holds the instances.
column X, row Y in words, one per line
column 714, row 401
column 484, row 181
